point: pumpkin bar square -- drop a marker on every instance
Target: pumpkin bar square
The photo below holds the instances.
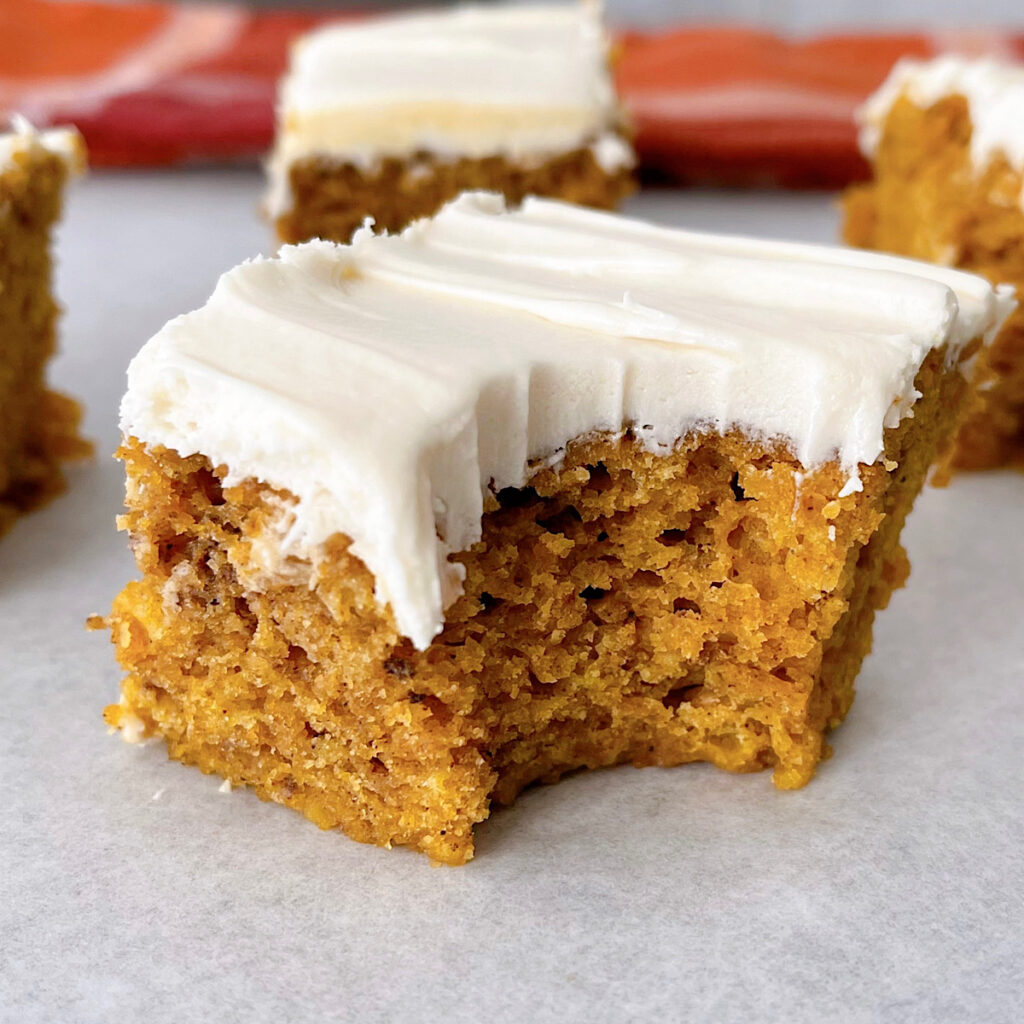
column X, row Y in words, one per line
column 391, row 117
column 946, row 142
column 429, row 517
column 38, row 426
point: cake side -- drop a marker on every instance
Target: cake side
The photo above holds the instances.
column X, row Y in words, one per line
column 713, row 603
column 949, row 190
column 38, row 427
column 331, row 199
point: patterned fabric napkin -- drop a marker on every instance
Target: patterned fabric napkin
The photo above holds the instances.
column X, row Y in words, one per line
column 165, row 83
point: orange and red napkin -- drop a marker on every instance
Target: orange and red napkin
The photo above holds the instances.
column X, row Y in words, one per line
column 164, row 83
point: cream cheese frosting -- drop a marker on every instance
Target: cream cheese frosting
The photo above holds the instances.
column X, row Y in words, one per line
column 387, row 384
column 23, row 137
column 994, row 91
column 526, row 82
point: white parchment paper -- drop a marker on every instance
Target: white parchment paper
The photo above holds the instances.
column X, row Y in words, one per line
column 132, row 889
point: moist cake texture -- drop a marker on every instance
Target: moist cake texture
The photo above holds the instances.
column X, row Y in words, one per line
column 38, row 427
column 946, row 141
column 447, row 513
column 393, row 117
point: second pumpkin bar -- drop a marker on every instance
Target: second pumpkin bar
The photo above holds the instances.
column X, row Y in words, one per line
column 393, row 117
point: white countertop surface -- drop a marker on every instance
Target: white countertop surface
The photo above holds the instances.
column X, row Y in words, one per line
column 131, row 889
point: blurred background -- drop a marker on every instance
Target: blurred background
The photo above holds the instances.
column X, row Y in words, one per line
column 722, row 92
column 792, row 15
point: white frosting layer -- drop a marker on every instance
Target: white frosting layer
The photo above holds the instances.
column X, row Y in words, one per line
column 994, row 92
column 524, row 82
column 389, row 382
column 63, row 142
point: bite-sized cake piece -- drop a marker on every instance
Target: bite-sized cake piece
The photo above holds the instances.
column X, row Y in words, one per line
column 946, row 141
column 427, row 518
column 38, row 427
column 392, row 117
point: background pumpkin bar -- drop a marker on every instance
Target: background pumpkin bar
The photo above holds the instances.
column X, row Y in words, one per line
column 946, row 140
column 427, row 518
column 38, row 427
column 393, row 117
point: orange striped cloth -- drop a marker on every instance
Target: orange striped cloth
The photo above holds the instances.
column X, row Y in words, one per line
column 743, row 106
column 162, row 83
